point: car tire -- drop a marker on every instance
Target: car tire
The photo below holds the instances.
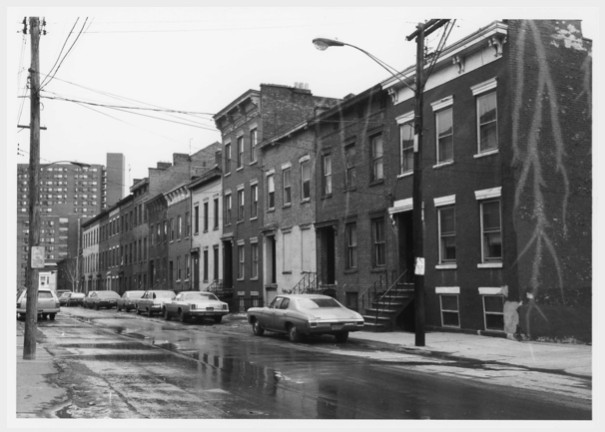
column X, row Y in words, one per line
column 166, row 315
column 149, row 313
column 21, row 317
column 257, row 328
column 51, row 316
column 96, row 307
column 293, row 334
column 342, row 337
column 138, row 311
column 218, row 319
column 182, row 317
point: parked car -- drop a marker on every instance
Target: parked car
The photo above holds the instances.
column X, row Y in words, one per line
column 305, row 314
column 152, row 301
column 128, row 300
column 75, row 299
column 195, row 304
column 61, row 292
column 63, row 297
column 101, row 299
column 48, row 304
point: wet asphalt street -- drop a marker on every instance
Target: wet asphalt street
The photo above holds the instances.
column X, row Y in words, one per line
column 120, row 365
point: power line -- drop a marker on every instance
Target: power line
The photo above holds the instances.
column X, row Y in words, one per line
column 66, row 54
column 61, row 52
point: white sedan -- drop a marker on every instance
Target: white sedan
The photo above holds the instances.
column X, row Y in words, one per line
column 195, row 304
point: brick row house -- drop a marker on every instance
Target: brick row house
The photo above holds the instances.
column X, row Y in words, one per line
column 315, row 194
column 245, row 124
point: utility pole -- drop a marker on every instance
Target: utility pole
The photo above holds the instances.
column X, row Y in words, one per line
column 31, row 318
column 422, row 30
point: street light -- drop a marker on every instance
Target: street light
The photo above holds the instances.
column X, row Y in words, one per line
column 422, row 30
column 31, row 306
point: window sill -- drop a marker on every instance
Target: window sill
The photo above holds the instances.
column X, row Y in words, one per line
column 406, row 174
column 443, row 164
column 486, row 153
column 376, row 182
column 446, row 267
column 227, row 174
column 239, row 168
column 378, row 269
column 286, row 272
column 253, row 163
column 350, row 271
column 489, row 265
column 306, row 200
column 253, row 218
column 288, row 205
column 271, row 210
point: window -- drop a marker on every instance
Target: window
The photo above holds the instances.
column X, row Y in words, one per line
column 172, row 233
column 215, row 261
column 253, row 201
column 305, row 178
column 445, row 135
column 187, row 267
column 487, row 124
column 228, row 209
column 196, row 219
column 447, row 234
column 406, row 148
column 351, row 245
column 206, row 216
column 326, row 162
column 187, row 225
column 254, row 257
column 253, row 142
column 227, row 158
column 270, row 191
column 378, row 242
column 286, row 251
column 179, row 227
column 240, row 151
column 216, row 217
column 241, row 258
column 450, row 310
column 240, row 205
column 350, row 167
column 377, row 158
column 178, row 268
column 205, row 265
column 287, row 185
column 491, row 231
column 493, row 312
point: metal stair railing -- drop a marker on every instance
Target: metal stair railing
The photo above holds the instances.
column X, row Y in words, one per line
column 309, row 280
column 393, row 284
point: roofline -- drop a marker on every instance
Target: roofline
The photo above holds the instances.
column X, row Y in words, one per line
column 207, row 177
column 237, row 101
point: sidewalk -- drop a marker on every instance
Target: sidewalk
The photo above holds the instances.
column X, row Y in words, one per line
column 573, row 359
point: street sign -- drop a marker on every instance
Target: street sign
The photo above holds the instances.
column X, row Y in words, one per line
column 37, row 256
column 419, row 269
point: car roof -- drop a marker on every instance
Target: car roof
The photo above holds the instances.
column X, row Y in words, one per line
column 307, row 296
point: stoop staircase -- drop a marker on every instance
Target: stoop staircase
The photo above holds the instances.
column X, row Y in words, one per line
column 387, row 304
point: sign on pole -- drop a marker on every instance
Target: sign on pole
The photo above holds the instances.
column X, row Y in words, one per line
column 37, row 256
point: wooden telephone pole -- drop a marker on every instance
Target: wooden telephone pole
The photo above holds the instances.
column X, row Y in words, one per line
column 31, row 318
column 422, row 30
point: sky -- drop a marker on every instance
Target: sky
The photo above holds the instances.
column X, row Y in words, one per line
column 196, row 60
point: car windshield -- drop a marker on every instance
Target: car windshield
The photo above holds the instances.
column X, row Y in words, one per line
column 198, row 296
column 316, row 303
column 78, row 295
column 44, row 295
column 134, row 294
column 164, row 294
column 108, row 294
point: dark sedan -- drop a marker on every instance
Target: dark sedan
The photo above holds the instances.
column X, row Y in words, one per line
column 101, row 299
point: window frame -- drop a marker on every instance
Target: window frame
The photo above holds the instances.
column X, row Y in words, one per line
column 478, row 99
column 484, row 258
column 305, row 180
column 441, row 137
column 443, row 312
column 441, row 235
column 287, row 186
column 376, row 161
column 271, row 191
column 378, row 242
column 351, row 258
column 403, row 151
column 326, row 177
